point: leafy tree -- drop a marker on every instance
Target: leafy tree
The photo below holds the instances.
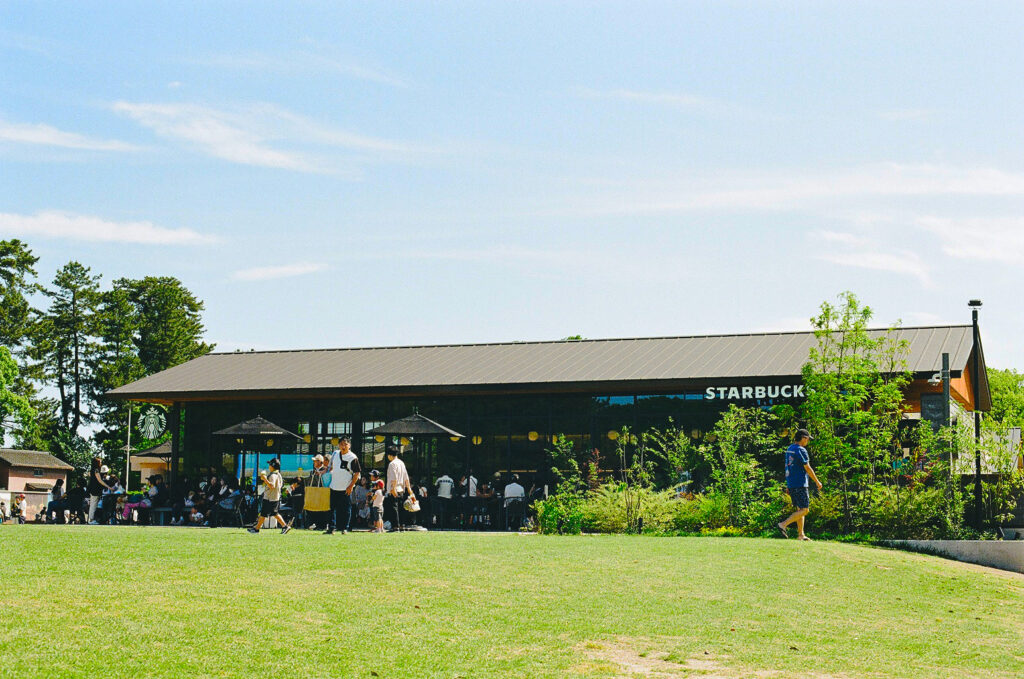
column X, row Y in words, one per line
column 17, row 274
column 63, row 340
column 169, row 317
column 855, row 383
column 1007, row 397
column 16, row 413
column 740, row 438
column 116, row 363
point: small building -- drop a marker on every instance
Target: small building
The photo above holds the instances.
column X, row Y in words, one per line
column 33, row 473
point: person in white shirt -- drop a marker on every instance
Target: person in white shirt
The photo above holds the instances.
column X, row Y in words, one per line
column 515, row 496
column 445, row 488
column 398, row 486
column 273, row 482
column 345, row 472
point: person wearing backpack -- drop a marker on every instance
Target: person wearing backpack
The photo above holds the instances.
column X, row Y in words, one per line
column 345, row 472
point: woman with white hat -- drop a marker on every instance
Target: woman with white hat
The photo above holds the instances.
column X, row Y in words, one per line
column 96, row 487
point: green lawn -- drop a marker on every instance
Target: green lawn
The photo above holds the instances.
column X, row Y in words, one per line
column 176, row 602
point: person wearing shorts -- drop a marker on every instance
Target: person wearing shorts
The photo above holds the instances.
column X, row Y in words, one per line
column 798, row 469
column 271, row 504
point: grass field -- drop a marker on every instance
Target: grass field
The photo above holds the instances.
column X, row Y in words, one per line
column 170, row 602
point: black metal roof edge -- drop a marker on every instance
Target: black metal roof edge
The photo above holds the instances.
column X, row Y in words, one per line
column 582, row 341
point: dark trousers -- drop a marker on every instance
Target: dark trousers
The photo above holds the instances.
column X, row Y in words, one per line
column 393, row 510
column 439, row 507
column 341, row 510
column 55, row 507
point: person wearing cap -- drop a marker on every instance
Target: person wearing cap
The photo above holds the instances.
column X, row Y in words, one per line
column 398, row 485
column 19, row 508
column 95, row 488
column 798, row 469
column 376, row 502
column 273, row 482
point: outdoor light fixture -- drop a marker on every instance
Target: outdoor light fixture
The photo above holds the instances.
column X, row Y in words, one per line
column 379, row 438
column 334, row 441
column 239, row 441
column 404, row 441
column 975, row 304
column 306, row 438
column 454, row 439
column 533, row 436
column 613, row 435
column 270, row 442
column 477, row 440
column 695, row 434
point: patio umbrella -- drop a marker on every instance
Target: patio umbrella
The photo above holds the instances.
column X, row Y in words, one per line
column 414, row 425
column 256, row 428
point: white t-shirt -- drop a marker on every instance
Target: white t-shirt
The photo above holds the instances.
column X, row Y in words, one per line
column 514, row 490
column 398, row 476
column 445, row 486
column 472, row 486
column 341, row 476
column 273, row 487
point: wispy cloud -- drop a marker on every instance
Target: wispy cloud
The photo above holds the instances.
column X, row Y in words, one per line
column 257, row 134
column 220, row 134
column 70, row 226
column 266, row 273
column 677, row 100
column 46, row 135
column 864, row 252
column 901, row 262
column 791, row 191
column 979, row 238
column 297, row 63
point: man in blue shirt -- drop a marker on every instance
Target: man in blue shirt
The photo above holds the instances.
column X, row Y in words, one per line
column 798, row 468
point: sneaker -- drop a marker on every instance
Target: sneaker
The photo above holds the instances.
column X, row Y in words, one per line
column 252, row 530
column 287, row 527
column 94, row 523
column 311, row 526
column 329, row 531
column 344, row 531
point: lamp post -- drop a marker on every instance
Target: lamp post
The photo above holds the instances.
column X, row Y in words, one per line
column 975, row 304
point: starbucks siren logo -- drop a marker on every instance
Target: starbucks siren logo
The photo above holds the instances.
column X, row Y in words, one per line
column 152, row 422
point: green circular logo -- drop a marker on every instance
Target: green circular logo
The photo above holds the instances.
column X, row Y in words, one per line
column 152, row 422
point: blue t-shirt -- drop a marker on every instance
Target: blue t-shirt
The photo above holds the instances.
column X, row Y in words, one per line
column 796, row 458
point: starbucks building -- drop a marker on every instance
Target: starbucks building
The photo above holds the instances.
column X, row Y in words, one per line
column 506, row 399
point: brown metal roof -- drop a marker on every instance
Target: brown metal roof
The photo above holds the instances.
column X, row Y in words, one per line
column 32, row 458
column 561, row 365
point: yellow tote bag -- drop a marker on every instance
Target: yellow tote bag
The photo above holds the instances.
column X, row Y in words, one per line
column 318, row 499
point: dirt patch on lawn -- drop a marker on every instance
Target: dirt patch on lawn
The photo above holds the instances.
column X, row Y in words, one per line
column 626, row 659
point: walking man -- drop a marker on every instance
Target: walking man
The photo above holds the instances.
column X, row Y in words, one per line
column 345, row 472
column 271, row 505
column 798, row 469
column 397, row 486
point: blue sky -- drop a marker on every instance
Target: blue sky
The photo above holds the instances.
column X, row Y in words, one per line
column 351, row 174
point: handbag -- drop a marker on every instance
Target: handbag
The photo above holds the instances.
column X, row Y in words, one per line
column 411, row 504
column 317, row 499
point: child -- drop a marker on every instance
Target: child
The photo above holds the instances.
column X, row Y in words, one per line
column 376, row 502
column 271, row 506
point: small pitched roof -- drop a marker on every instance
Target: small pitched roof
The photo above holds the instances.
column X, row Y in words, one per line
column 159, row 450
column 32, row 458
column 562, row 365
column 257, row 426
column 414, row 425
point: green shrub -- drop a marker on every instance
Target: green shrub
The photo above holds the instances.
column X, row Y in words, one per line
column 604, row 510
column 708, row 511
column 560, row 514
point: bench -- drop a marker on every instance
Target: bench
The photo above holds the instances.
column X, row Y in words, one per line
column 160, row 516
